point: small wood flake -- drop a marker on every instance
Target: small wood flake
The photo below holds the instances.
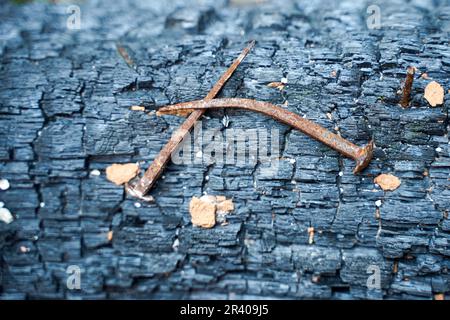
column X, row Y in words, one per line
column 121, row 173
column 137, row 108
column 311, row 235
column 203, row 213
column 434, row 94
column 387, row 182
column 278, row 85
column 208, row 210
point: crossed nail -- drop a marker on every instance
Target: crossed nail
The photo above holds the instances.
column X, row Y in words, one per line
column 195, row 109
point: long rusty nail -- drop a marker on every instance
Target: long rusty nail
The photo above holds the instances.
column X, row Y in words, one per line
column 145, row 183
column 404, row 102
column 362, row 155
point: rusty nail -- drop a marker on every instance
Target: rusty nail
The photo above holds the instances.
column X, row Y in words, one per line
column 404, row 102
column 145, row 183
column 125, row 56
column 362, row 155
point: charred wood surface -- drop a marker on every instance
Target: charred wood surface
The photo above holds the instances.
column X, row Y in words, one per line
column 65, row 98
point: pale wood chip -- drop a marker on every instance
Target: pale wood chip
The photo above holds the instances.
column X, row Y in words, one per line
column 387, row 181
column 434, row 94
column 225, row 206
column 311, row 235
column 203, row 213
column 137, row 108
column 121, row 173
column 439, row 296
column 278, row 85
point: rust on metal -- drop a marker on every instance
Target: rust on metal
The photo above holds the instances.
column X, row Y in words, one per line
column 404, row 102
column 125, row 56
column 362, row 155
column 145, row 183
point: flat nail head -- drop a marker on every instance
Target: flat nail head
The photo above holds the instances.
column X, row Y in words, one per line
column 364, row 158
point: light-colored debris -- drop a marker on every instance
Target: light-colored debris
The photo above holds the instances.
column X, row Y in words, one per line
column 4, row 184
column 137, row 108
column 378, row 203
column 176, row 244
column 315, row 278
column 225, row 206
column 6, row 216
column 377, row 214
column 226, row 121
column 121, row 173
column 434, row 93
column 24, row 249
column 278, row 85
column 203, row 213
column 110, row 235
column 311, row 235
column 425, row 76
column 439, row 296
column 284, row 80
column 387, row 182
column 209, row 209
column 95, row 173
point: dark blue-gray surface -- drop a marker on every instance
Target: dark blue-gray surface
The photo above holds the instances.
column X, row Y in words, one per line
column 64, row 112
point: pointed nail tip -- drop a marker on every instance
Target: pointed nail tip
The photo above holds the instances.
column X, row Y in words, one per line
column 251, row 44
column 131, row 190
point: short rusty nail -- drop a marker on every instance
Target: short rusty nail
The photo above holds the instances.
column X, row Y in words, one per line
column 125, row 56
column 362, row 155
column 145, row 183
column 404, row 102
